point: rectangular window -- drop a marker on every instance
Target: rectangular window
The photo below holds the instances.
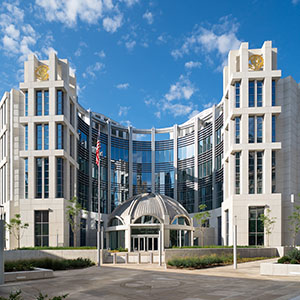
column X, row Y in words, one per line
column 59, row 102
column 273, row 92
column 39, row 137
column 26, row 137
column 237, row 129
column 46, row 103
column 251, row 136
column 237, row 94
column 26, row 178
column 59, row 136
column 46, row 177
column 218, row 136
column 41, row 228
column 59, row 177
column 39, row 177
column 273, row 128
column 46, row 136
column 71, row 182
column 259, row 129
column 26, row 104
column 251, row 172
column 237, row 172
column 273, row 171
column 71, row 113
column 227, row 226
column 259, row 93
column 259, row 172
column 251, row 93
column 256, row 226
column 38, row 103
column 71, row 145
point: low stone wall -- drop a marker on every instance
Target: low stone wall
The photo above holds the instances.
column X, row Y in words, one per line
column 242, row 252
column 133, row 258
column 37, row 273
column 279, row 269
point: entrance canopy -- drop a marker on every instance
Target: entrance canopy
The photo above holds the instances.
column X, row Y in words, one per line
column 137, row 223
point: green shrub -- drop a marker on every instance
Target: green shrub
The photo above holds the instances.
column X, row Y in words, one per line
column 47, row 263
column 294, row 254
column 17, row 296
column 294, row 261
column 283, row 260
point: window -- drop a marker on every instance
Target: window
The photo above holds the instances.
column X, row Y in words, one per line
column 71, row 113
column 26, row 178
column 273, row 92
column 26, row 104
column 237, row 172
column 186, row 152
column 38, row 103
column 39, row 136
column 255, row 134
column 237, row 94
column 219, row 162
column 59, row 102
column 71, row 145
column 227, row 226
column 255, row 93
column 218, row 136
column 71, row 181
column 46, row 103
column 256, row 226
column 164, row 155
column 273, row 128
column 205, row 169
column 59, row 136
column 46, row 136
column 83, row 139
column 46, row 177
column 59, row 177
column 237, row 129
column 255, row 172
column 205, row 144
column 26, row 137
column 273, row 171
column 41, row 228
column 39, row 177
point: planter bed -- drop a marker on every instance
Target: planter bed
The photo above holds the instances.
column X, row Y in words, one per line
column 280, row 269
column 36, row 273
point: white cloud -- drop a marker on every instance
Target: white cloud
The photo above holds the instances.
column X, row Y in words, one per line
column 177, row 109
column 130, row 2
column 192, row 64
column 101, row 54
column 48, row 50
column 72, row 71
column 158, row 114
column 148, row 16
column 11, row 31
column 162, row 39
column 126, row 123
column 10, row 45
column 90, row 70
column 182, row 89
column 295, row 2
column 130, row 45
column 112, row 24
column 194, row 113
column 123, row 111
column 219, row 39
column 123, row 86
column 208, row 105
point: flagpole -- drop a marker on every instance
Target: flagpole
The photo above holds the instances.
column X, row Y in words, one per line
column 99, row 213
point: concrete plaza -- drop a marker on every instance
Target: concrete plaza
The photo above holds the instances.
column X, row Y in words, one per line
column 120, row 282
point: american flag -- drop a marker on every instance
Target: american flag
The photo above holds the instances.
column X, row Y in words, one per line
column 98, row 150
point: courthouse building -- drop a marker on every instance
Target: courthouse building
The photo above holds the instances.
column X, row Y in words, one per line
column 239, row 158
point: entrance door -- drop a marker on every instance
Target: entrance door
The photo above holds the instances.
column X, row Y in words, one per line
column 144, row 243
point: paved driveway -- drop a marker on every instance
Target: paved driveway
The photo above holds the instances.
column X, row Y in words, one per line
column 151, row 282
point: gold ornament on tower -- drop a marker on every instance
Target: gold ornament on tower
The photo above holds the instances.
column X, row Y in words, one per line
column 41, row 72
column 256, row 62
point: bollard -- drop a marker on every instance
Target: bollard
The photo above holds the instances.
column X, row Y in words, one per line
column 114, row 258
column 1, row 252
column 139, row 258
column 151, row 258
column 126, row 258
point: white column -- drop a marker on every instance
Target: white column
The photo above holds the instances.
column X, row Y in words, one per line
column 109, row 167
column 2, row 252
column 153, row 160
column 175, row 133
column 196, row 151
column 130, row 150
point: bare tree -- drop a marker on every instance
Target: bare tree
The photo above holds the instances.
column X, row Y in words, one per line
column 202, row 219
column 17, row 228
column 268, row 222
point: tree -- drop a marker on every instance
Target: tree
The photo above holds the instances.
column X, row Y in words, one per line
column 294, row 220
column 268, row 223
column 202, row 218
column 17, row 228
column 73, row 212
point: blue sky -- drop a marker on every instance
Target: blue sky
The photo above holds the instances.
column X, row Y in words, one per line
column 145, row 63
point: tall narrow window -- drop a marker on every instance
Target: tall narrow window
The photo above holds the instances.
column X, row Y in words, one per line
column 26, row 178
column 71, row 145
column 259, row 129
column 46, row 177
column 39, row 177
column 237, row 172
column 251, row 172
column 273, row 171
column 256, row 226
column 273, row 92
column 71, row 113
column 46, row 136
column 71, row 181
column 41, row 228
column 59, row 136
column 259, row 172
column 26, row 137
column 59, row 177
column 38, row 103
column 237, row 129
column 227, row 226
column 251, row 93
column 39, row 137
column 251, row 136
column 46, row 103
column 259, row 93
column 237, row 94
column 273, row 128
column 26, row 104
column 59, row 102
